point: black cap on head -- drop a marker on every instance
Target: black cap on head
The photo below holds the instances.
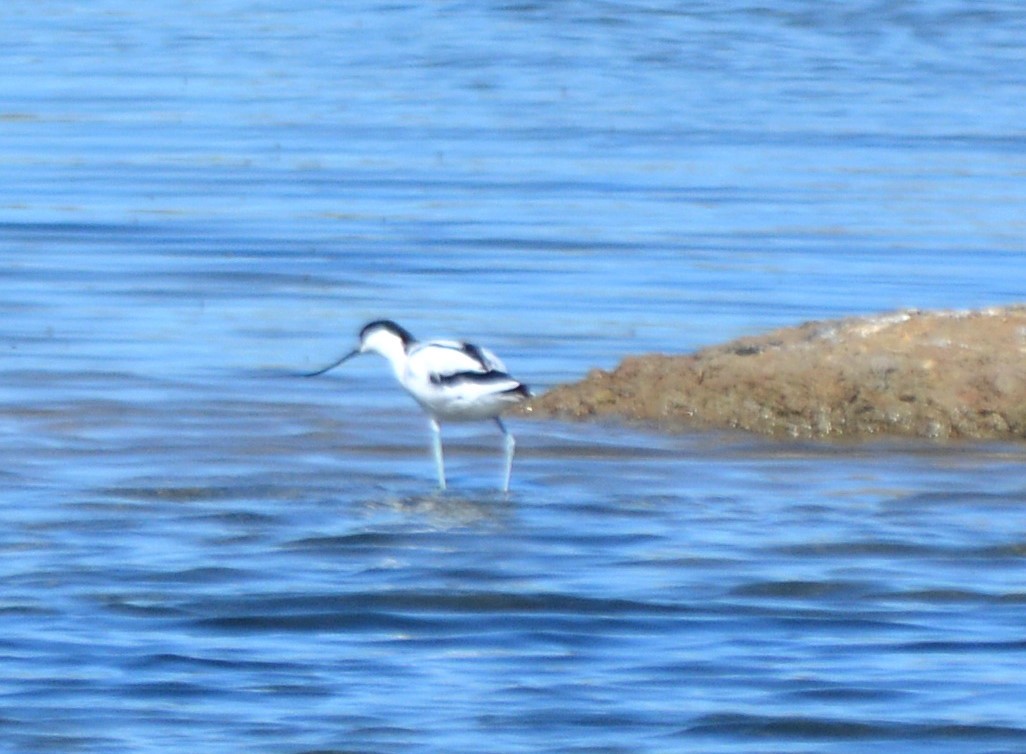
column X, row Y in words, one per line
column 387, row 324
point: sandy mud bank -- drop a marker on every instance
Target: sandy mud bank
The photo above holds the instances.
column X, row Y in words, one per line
column 941, row 374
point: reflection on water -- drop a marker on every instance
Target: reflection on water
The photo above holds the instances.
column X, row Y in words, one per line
column 200, row 549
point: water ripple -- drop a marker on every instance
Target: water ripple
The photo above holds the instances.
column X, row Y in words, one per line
column 202, row 551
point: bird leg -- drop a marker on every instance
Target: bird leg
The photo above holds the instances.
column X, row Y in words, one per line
column 436, row 447
column 511, row 445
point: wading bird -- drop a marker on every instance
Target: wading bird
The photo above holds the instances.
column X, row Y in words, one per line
column 451, row 380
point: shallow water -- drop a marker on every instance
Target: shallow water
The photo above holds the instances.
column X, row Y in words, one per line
column 199, row 548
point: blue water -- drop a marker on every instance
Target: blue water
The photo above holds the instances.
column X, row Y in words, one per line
column 201, row 551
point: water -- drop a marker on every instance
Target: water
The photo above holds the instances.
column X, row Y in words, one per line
column 200, row 550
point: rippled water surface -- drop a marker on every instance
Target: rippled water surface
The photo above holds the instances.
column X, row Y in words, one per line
column 201, row 550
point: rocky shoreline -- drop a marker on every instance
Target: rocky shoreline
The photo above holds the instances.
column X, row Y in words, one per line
column 940, row 374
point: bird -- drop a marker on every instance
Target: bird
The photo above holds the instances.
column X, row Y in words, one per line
column 451, row 380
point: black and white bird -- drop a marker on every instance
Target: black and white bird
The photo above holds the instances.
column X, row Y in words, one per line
column 451, row 380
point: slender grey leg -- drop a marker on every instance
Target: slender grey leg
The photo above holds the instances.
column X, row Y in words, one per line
column 511, row 445
column 436, row 447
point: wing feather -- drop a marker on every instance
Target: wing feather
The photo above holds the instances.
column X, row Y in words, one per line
column 442, row 359
column 456, row 380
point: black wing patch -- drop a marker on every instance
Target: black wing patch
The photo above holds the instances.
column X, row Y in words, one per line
column 482, row 378
column 475, row 353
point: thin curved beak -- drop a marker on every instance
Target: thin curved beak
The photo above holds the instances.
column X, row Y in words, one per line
column 331, row 366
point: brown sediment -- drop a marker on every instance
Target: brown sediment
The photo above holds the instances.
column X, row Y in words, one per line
column 942, row 374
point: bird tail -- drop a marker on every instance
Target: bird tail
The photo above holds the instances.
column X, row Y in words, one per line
column 521, row 391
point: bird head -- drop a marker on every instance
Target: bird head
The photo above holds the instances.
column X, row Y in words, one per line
column 382, row 336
